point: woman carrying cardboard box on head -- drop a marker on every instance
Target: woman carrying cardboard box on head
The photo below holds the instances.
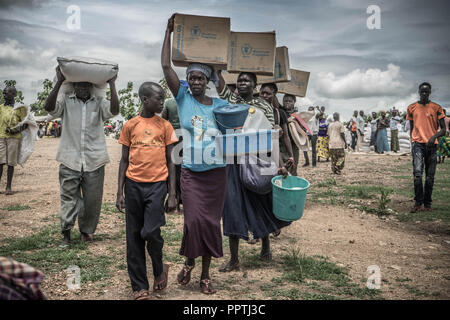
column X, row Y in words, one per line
column 203, row 183
column 246, row 211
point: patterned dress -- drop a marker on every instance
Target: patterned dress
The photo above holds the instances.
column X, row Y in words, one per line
column 323, row 140
column 443, row 147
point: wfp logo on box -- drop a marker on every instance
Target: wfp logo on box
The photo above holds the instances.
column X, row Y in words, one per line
column 246, row 49
column 195, row 32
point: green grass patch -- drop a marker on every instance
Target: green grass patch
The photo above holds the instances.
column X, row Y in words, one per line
column 16, row 207
column 296, row 294
column 39, row 240
column 250, row 260
column 41, row 250
column 327, row 183
column 299, row 267
column 171, row 237
column 109, row 208
column 330, row 281
column 360, row 191
column 441, row 191
column 379, row 199
column 415, row 291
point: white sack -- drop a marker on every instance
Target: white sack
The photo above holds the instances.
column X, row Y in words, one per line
column 28, row 137
column 82, row 69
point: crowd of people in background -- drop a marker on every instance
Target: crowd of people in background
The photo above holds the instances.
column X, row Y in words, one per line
column 50, row 129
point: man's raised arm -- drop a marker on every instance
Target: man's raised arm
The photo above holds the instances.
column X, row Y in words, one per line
column 50, row 103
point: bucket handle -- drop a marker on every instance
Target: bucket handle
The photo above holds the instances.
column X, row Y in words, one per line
column 226, row 127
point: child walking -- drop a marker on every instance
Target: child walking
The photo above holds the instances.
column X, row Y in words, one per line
column 142, row 187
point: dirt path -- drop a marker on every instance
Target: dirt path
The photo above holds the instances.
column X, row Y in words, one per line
column 403, row 252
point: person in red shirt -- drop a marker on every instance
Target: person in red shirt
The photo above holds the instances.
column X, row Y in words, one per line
column 425, row 118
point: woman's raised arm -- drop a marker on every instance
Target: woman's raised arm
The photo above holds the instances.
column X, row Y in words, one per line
column 172, row 79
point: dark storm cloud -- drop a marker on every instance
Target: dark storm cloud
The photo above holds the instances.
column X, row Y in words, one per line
column 5, row 4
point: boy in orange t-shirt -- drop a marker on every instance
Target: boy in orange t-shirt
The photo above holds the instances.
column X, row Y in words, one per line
column 425, row 118
column 142, row 187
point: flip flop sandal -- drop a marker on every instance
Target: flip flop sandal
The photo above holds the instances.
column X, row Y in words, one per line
column 229, row 267
column 142, row 295
column 184, row 276
column 159, row 286
column 206, row 286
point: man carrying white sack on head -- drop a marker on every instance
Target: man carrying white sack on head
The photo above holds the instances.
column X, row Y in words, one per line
column 82, row 153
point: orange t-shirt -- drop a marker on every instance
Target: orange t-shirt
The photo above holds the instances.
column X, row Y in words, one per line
column 426, row 120
column 147, row 139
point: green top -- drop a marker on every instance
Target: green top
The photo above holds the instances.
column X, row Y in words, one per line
column 170, row 106
column 11, row 118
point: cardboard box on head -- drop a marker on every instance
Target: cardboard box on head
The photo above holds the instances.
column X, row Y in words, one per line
column 282, row 71
column 252, row 52
column 298, row 84
column 200, row 39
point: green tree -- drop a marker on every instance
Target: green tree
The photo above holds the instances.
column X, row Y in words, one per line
column 165, row 86
column 12, row 83
column 129, row 102
column 38, row 106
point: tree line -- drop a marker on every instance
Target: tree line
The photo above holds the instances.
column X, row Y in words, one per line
column 130, row 105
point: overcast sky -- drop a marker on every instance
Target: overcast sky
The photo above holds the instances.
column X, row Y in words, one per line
column 351, row 66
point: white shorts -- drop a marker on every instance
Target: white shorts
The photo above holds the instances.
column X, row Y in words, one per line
column 9, row 151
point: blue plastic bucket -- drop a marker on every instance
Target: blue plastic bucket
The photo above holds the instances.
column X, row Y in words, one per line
column 289, row 198
column 231, row 116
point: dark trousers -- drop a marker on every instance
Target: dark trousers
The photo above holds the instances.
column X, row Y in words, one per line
column 313, row 140
column 423, row 156
column 354, row 139
column 144, row 203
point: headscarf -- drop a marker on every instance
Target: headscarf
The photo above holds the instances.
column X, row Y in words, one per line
column 209, row 72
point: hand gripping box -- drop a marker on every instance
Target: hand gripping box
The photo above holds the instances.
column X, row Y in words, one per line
column 200, row 39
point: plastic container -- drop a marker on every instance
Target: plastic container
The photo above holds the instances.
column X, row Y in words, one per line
column 256, row 120
column 289, row 197
column 231, row 116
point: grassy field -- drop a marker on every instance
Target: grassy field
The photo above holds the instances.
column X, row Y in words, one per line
column 378, row 196
column 301, row 277
column 352, row 221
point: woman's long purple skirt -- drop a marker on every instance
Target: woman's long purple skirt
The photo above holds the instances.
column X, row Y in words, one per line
column 203, row 195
